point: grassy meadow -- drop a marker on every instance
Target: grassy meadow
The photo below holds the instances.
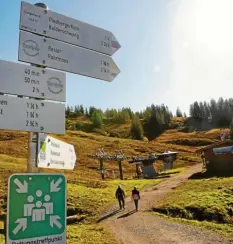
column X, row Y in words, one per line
column 204, row 202
column 88, row 196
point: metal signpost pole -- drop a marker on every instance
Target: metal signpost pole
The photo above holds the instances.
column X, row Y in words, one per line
column 33, row 159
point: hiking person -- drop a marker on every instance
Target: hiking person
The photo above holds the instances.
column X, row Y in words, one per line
column 120, row 196
column 135, row 197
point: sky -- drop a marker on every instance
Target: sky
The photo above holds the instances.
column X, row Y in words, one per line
column 172, row 51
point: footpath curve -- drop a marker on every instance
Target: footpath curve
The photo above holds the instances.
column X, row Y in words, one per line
column 142, row 227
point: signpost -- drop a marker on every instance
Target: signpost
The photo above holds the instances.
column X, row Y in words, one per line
column 55, row 154
column 63, row 28
column 31, row 115
column 62, row 56
column 25, row 80
column 40, row 214
column 47, row 39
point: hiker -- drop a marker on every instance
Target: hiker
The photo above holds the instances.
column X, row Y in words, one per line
column 135, row 197
column 120, row 196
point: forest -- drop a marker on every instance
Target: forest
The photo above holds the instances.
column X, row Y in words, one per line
column 154, row 119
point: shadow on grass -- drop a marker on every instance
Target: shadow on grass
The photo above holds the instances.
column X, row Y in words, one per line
column 127, row 214
column 207, row 175
column 170, row 173
column 108, row 215
column 162, row 176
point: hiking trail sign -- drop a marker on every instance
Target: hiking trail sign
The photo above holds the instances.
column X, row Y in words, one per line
column 26, row 80
column 63, row 56
column 31, row 115
column 55, row 154
column 36, row 208
column 47, row 23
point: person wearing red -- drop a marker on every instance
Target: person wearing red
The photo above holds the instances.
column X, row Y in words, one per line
column 135, row 197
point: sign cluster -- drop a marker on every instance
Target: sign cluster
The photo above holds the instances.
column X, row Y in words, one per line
column 32, row 99
column 60, row 42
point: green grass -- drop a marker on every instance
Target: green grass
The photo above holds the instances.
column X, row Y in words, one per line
column 93, row 196
column 87, row 198
column 87, row 195
column 89, row 234
column 206, row 202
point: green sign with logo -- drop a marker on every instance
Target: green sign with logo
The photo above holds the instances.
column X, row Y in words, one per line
column 36, row 211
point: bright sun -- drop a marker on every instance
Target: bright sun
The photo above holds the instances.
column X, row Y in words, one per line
column 213, row 21
column 202, row 50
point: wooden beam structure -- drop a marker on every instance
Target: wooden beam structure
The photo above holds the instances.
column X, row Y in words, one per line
column 117, row 157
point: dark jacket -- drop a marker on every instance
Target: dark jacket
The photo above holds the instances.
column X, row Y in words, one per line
column 120, row 193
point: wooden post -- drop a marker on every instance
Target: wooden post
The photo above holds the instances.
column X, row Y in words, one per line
column 120, row 169
column 5, row 228
column 137, row 171
column 102, row 168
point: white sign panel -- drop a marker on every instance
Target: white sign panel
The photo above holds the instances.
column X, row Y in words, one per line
column 31, row 115
column 62, row 56
column 25, row 80
column 55, row 154
column 47, row 23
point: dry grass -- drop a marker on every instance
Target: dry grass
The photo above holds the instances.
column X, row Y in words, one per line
column 87, row 195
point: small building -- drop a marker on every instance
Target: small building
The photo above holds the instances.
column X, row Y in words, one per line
column 145, row 166
column 168, row 159
column 218, row 157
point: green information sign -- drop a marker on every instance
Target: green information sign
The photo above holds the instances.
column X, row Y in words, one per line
column 36, row 210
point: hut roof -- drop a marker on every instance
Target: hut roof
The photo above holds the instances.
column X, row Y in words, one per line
column 161, row 156
column 223, row 150
column 213, row 145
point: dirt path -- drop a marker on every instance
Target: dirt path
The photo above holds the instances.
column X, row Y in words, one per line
column 142, row 227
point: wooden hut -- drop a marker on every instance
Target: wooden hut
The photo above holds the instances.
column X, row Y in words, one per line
column 168, row 159
column 218, row 157
column 145, row 166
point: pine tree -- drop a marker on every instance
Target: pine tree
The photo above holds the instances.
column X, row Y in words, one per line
column 152, row 126
column 68, row 111
column 86, row 112
column 97, row 119
column 136, row 130
column 231, row 129
column 191, row 110
column 77, row 110
column 81, row 110
column 92, row 110
column 202, row 110
column 178, row 112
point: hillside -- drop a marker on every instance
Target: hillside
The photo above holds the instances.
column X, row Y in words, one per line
column 87, row 195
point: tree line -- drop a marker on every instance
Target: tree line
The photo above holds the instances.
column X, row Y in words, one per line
column 147, row 123
column 153, row 120
column 217, row 113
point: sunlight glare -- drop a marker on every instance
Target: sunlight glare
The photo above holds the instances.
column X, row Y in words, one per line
column 213, row 25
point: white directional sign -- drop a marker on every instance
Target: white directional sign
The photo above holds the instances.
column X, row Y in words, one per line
column 31, row 115
column 62, row 56
column 55, row 154
column 47, row 23
column 25, row 80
